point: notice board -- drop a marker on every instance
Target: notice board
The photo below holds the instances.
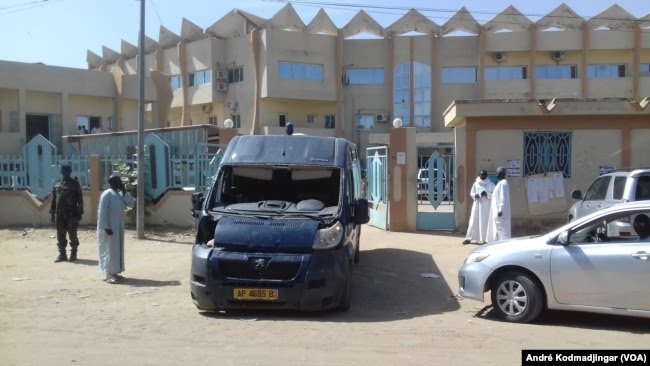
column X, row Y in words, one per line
column 545, row 193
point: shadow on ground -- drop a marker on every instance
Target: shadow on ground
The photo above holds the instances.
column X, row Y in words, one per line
column 573, row 319
column 388, row 284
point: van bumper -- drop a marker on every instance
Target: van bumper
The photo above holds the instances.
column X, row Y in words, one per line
column 304, row 281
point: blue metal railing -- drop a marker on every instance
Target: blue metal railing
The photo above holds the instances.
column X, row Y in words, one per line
column 38, row 168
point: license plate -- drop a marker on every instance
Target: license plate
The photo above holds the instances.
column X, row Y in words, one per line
column 255, row 294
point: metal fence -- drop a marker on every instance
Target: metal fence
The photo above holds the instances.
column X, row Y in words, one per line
column 38, row 168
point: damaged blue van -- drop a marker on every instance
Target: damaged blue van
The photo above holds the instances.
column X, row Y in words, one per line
column 280, row 226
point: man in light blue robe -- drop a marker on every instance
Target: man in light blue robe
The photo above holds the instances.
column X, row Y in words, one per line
column 113, row 204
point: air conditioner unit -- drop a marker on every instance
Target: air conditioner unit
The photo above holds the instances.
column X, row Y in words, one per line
column 232, row 104
column 499, row 56
column 381, row 117
column 207, row 108
column 222, row 86
column 557, row 55
column 221, row 74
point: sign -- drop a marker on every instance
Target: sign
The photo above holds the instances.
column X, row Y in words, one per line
column 514, row 168
column 401, row 158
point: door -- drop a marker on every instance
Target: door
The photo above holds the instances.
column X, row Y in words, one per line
column 376, row 182
column 37, row 124
column 598, row 269
column 435, row 190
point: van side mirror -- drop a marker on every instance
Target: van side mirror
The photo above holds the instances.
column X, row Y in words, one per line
column 576, row 194
column 361, row 213
column 197, row 204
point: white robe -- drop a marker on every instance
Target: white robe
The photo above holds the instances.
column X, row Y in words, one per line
column 478, row 219
column 112, row 206
column 499, row 227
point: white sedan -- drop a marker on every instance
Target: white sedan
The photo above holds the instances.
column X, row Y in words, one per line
column 576, row 267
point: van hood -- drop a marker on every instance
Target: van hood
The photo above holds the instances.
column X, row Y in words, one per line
column 249, row 234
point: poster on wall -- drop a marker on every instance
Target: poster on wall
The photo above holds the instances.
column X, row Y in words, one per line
column 545, row 193
column 514, row 168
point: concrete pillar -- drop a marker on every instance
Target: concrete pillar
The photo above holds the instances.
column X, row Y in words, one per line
column 402, row 171
column 227, row 134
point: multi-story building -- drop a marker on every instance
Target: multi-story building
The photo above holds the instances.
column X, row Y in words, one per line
column 354, row 81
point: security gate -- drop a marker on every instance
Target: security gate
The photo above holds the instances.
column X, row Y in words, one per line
column 435, row 180
column 377, row 185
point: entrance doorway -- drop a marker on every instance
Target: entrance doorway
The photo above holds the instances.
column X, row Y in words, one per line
column 37, row 124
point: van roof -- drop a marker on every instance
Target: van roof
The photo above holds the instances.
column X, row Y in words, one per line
column 286, row 150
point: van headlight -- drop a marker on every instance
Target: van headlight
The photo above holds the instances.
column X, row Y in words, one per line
column 476, row 257
column 328, row 237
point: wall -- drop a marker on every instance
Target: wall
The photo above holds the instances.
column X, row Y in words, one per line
column 298, row 47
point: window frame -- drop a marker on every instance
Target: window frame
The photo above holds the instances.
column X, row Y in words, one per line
column 235, row 74
column 300, row 71
column 172, row 84
column 365, row 76
column 606, row 71
column 547, row 151
column 450, row 75
column 505, row 73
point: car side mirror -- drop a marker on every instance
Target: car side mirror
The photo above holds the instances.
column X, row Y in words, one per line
column 576, row 194
column 197, row 204
column 563, row 238
column 361, row 213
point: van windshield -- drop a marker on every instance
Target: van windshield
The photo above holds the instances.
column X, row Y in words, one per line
column 277, row 190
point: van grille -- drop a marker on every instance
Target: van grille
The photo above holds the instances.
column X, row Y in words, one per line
column 239, row 269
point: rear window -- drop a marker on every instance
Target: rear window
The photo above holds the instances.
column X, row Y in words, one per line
column 598, row 189
column 619, row 187
column 642, row 188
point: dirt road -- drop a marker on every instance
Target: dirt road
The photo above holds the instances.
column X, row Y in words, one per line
column 63, row 314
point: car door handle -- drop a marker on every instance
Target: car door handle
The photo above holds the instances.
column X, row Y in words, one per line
column 641, row 255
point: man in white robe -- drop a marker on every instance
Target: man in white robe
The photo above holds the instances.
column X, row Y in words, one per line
column 481, row 193
column 113, row 204
column 499, row 221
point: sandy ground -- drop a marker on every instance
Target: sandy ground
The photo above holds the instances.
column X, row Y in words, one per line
column 64, row 314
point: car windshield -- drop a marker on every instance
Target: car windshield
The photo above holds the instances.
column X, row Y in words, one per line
column 277, row 191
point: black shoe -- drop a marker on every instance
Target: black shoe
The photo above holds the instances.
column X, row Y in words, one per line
column 73, row 256
column 61, row 258
column 466, row 241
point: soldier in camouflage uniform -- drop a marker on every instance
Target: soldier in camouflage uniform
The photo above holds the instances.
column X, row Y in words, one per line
column 66, row 210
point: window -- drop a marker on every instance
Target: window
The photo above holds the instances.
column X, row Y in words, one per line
column 236, row 75
column 606, row 71
column 598, row 189
column 505, row 73
column 236, row 120
column 459, row 75
column 364, row 76
column 547, row 152
column 555, row 72
column 310, row 119
column 295, row 71
column 619, row 187
column 82, row 125
column 175, row 82
column 330, row 121
column 213, row 120
column 365, row 121
column 421, row 94
column 644, row 69
column 200, row 77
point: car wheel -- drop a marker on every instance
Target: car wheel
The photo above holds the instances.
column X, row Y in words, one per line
column 346, row 298
column 516, row 297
